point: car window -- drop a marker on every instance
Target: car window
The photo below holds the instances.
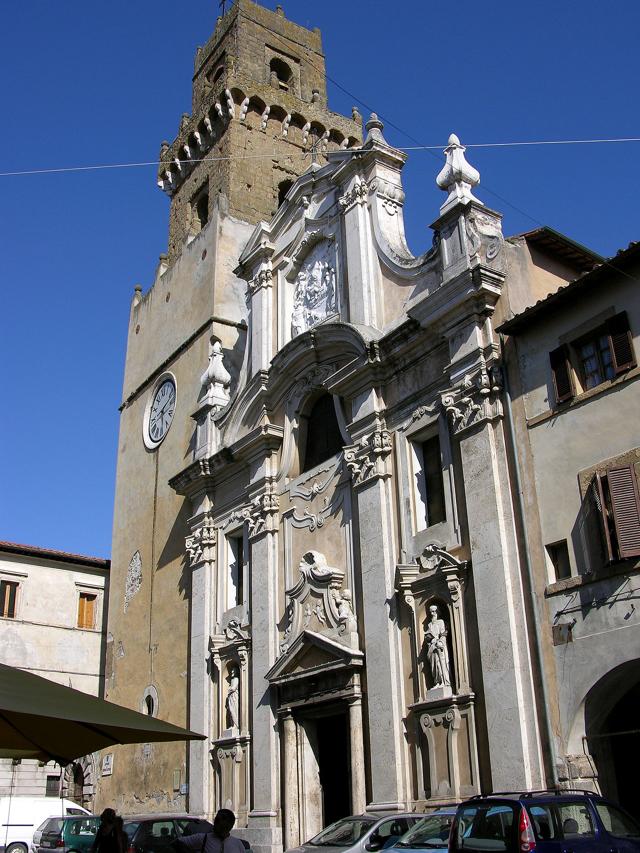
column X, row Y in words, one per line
column 342, row 833
column 130, row 827
column 43, row 824
column 616, row 821
column 162, row 830
column 542, row 820
column 485, row 826
column 53, row 824
column 390, row 830
column 574, row 819
column 432, row 831
column 85, row 826
column 192, row 826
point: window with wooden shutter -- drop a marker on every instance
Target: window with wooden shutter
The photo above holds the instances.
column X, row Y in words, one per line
column 625, row 504
column 8, row 599
column 562, row 374
column 621, row 343
column 87, row 610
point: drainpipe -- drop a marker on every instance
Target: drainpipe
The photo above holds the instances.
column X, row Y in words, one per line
column 546, row 720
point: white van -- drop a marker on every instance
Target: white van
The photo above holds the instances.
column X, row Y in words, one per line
column 21, row 816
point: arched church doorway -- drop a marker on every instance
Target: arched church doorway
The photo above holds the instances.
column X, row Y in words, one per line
column 612, row 729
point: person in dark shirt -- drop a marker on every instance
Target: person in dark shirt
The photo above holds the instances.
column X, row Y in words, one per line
column 218, row 841
column 108, row 838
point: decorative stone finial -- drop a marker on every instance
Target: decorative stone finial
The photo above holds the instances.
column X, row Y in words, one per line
column 457, row 176
column 374, row 129
column 355, row 115
column 216, row 377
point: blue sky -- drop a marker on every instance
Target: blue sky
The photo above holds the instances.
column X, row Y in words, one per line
column 97, row 83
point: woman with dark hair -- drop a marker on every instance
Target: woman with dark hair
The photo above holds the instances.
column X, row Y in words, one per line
column 109, row 835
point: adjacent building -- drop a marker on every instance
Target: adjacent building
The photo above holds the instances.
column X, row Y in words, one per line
column 576, row 414
column 53, row 618
column 330, row 554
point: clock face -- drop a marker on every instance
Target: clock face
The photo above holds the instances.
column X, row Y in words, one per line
column 161, row 412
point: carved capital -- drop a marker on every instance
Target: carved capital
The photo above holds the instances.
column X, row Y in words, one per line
column 200, row 543
column 263, row 513
column 356, row 195
column 477, row 400
column 263, row 278
column 369, row 458
column 391, row 196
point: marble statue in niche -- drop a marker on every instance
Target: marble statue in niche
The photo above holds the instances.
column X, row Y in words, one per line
column 435, row 637
column 232, row 702
column 314, row 297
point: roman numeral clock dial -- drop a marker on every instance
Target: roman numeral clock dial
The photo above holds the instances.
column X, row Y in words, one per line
column 159, row 414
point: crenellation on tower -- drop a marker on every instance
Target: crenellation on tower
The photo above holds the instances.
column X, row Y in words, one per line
column 259, row 100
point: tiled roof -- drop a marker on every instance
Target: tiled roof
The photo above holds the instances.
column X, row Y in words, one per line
column 50, row 553
column 558, row 244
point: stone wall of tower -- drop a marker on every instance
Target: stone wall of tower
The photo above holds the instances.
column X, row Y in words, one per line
column 250, row 130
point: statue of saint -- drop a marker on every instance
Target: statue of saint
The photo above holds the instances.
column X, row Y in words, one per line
column 437, row 651
column 233, row 704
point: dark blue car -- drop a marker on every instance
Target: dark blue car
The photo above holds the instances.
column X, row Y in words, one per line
column 545, row 822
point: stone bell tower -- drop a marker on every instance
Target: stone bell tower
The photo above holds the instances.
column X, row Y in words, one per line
column 259, row 105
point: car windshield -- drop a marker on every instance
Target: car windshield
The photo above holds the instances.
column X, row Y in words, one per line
column 432, row 831
column 343, row 833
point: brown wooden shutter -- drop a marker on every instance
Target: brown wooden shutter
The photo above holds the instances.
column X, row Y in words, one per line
column 597, row 493
column 562, row 374
column 621, row 343
column 625, row 503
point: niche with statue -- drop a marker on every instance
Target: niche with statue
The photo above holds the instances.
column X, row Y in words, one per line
column 440, row 719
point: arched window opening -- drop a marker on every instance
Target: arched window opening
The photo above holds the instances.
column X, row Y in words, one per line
column 78, row 784
column 323, row 436
column 214, row 76
column 149, row 705
column 283, row 189
column 280, row 74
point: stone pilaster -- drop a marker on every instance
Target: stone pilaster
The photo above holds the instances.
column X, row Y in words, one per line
column 201, row 556
column 475, row 412
column 370, row 465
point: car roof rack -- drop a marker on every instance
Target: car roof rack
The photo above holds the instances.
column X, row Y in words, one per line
column 532, row 793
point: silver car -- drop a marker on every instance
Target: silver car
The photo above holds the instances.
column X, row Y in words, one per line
column 363, row 833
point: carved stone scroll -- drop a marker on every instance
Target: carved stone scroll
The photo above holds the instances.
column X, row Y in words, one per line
column 476, row 400
column 368, row 458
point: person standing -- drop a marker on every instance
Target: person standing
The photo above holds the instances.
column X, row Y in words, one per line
column 218, row 841
column 108, row 838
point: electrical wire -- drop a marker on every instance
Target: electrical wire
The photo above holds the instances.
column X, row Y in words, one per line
column 274, row 156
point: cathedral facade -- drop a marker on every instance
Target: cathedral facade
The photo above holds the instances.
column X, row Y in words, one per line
column 317, row 558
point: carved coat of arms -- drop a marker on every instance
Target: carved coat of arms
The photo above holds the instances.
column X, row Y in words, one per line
column 315, row 289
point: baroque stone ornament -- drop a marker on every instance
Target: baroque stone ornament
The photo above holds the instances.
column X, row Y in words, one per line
column 198, row 543
column 356, row 195
column 368, row 458
column 262, row 513
column 457, row 177
column 319, row 603
column 476, row 400
column 134, row 579
column 315, row 290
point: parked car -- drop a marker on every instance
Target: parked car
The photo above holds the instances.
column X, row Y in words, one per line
column 69, row 834
column 429, row 833
column 544, row 822
column 359, row 834
column 20, row 817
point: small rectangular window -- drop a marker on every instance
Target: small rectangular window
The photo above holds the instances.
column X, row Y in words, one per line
column 87, row 610
column 8, row 598
column 53, row 786
column 429, row 483
column 559, row 555
column 235, row 577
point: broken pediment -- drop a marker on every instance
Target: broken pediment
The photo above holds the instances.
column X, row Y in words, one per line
column 319, row 603
column 312, row 654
